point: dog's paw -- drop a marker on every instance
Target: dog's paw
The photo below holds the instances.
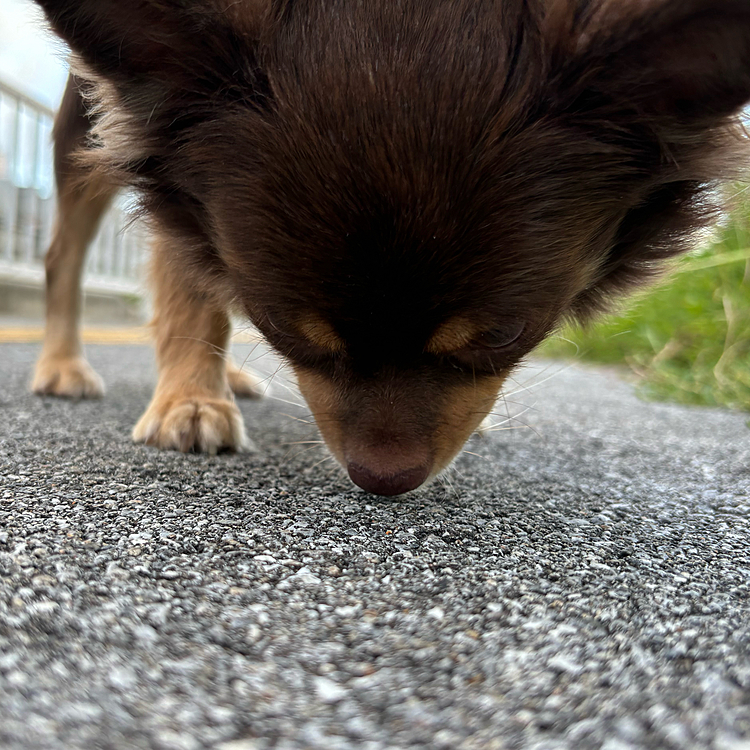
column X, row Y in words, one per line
column 245, row 383
column 69, row 377
column 201, row 424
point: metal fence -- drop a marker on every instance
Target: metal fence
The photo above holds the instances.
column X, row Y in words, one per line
column 27, row 206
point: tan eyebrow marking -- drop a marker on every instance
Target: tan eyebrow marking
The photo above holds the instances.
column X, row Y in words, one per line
column 451, row 336
column 321, row 333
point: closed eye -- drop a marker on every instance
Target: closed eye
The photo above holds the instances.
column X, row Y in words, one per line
column 502, row 337
column 492, row 351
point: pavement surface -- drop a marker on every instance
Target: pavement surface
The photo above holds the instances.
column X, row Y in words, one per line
column 579, row 581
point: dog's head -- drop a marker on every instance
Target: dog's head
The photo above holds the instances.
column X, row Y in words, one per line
column 406, row 196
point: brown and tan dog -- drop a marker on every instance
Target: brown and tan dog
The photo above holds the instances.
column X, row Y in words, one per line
column 404, row 196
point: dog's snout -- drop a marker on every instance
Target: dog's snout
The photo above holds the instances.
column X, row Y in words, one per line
column 387, row 484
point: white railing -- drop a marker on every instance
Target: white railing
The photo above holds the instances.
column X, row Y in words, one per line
column 27, row 206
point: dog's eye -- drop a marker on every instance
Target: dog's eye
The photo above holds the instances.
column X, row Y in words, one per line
column 501, row 337
column 490, row 350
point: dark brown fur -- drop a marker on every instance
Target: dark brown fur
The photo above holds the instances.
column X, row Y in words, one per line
column 373, row 183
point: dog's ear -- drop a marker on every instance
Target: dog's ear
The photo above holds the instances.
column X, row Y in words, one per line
column 165, row 43
column 658, row 86
column 159, row 71
column 682, row 60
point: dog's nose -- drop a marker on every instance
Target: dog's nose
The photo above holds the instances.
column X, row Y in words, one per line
column 387, row 484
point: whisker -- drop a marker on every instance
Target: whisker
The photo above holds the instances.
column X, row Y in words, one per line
column 511, row 418
column 322, row 461
column 286, row 401
column 522, row 426
column 478, row 455
column 250, row 354
column 217, row 349
column 290, row 455
column 249, row 328
column 294, row 391
column 507, row 408
column 269, row 379
column 248, row 361
column 446, row 482
column 297, row 419
column 499, row 428
column 514, row 403
column 526, row 387
column 560, row 337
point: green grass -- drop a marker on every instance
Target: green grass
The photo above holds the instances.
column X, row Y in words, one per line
column 687, row 340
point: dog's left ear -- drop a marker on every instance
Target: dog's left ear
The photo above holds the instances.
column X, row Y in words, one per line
column 686, row 61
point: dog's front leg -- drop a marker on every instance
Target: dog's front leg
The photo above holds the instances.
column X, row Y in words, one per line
column 192, row 408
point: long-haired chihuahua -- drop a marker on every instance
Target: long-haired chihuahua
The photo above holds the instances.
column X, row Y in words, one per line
column 403, row 196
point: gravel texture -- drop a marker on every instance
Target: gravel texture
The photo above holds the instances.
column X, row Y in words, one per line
column 580, row 583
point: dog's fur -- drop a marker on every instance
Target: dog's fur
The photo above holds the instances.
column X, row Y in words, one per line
column 404, row 196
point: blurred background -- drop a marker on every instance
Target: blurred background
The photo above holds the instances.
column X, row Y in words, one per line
column 686, row 340
column 33, row 71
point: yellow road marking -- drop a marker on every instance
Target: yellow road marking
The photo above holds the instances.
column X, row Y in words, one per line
column 33, row 335
column 140, row 335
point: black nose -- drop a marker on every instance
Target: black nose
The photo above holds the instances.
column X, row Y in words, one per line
column 387, row 484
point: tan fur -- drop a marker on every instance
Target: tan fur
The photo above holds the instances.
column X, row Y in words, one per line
column 321, row 333
column 84, row 194
column 451, row 336
column 322, row 398
column 62, row 369
column 463, row 410
column 192, row 407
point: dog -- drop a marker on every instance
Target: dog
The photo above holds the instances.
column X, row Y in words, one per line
column 404, row 197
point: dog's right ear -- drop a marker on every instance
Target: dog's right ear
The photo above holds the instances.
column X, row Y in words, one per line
column 160, row 69
column 658, row 85
column 200, row 44
column 684, row 61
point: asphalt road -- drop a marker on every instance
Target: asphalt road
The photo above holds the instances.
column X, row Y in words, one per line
column 582, row 582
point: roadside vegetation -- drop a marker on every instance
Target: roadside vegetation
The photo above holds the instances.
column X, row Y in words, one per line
column 688, row 339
